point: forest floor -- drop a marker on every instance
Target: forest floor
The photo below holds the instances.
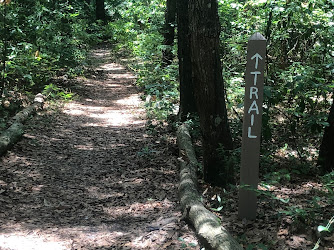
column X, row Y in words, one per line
column 89, row 174
column 288, row 215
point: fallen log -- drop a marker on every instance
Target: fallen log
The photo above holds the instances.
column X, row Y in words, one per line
column 10, row 136
column 24, row 114
column 206, row 224
column 15, row 131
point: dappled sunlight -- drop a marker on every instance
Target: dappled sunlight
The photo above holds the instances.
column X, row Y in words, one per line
column 88, row 147
column 90, row 176
column 112, row 66
column 55, row 238
column 119, row 106
column 109, row 116
column 113, row 118
column 132, row 100
column 17, row 241
column 138, row 209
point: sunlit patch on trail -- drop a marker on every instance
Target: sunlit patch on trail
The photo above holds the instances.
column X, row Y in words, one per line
column 132, row 100
column 91, row 176
column 15, row 241
column 127, row 112
column 111, row 66
column 104, row 117
column 61, row 238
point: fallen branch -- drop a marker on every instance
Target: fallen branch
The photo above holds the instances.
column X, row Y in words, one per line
column 207, row 225
column 15, row 130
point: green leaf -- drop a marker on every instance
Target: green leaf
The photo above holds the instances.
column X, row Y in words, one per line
column 322, row 228
column 217, row 209
column 74, row 15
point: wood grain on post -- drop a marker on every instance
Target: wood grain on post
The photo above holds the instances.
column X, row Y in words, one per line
column 252, row 120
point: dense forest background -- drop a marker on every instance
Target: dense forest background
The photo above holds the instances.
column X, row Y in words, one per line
column 42, row 41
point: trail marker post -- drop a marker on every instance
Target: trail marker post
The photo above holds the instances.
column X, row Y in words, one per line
column 252, row 120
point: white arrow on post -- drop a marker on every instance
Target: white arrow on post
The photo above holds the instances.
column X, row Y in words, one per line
column 257, row 56
column 251, row 135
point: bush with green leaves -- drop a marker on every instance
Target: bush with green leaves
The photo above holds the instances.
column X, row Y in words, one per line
column 299, row 73
column 41, row 39
column 138, row 30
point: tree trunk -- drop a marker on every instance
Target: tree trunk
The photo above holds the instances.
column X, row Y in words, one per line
column 209, row 89
column 187, row 99
column 169, row 33
column 100, row 10
column 326, row 154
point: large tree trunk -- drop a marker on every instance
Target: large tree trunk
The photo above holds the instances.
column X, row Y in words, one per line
column 187, row 99
column 209, row 89
column 169, row 32
column 100, row 10
column 326, row 154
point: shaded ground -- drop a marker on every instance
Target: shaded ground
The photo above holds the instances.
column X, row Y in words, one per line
column 90, row 176
column 287, row 217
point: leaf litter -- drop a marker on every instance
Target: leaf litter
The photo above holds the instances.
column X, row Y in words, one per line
column 88, row 175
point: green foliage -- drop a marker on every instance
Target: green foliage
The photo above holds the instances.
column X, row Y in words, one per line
column 299, row 77
column 324, row 229
column 301, row 215
column 280, row 176
column 138, row 30
column 42, row 39
column 194, row 125
column 328, row 182
column 146, row 152
column 186, row 245
column 51, row 90
column 160, row 85
column 259, row 246
column 219, row 204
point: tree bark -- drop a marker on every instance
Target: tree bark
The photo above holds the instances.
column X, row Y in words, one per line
column 207, row 225
column 10, row 136
column 169, row 33
column 23, row 115
column 326, row 154
column 187, row 98
column 100, row 10
column 209, row 89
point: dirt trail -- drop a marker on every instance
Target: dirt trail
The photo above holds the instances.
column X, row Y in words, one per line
column 91, row 176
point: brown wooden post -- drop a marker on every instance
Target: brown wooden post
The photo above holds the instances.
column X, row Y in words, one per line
column 251, row 134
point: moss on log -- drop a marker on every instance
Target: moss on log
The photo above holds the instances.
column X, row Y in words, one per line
column 206, row 224
column 10, row 136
